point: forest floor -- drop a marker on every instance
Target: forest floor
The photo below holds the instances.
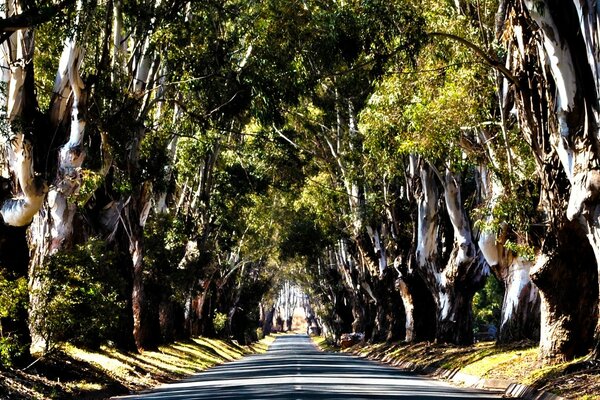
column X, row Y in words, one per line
column 75, row 373
column 518, row 362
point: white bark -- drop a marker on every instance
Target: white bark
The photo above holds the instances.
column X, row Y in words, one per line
column 516, row 281
column 161, row 200
column 463, row 238
column 118, row 41
column 20, row 210
column 142, row 70
column 557, row 56
column 427, row 230
column 409, row 308
column 379, row 248
column 512, row 270
column 488, row 238
column 68, row 85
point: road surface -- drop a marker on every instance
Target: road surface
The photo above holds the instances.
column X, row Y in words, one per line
column 294, row 369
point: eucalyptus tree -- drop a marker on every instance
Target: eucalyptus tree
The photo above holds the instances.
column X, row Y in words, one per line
column 58, row 171
column 426, row 120
column 552, row 55
column 446, row 112
column 345, row 61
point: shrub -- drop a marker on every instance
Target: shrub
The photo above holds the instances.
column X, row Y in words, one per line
column 220, row 322
column 487, row 304
column 77, row 296
column 13, row 304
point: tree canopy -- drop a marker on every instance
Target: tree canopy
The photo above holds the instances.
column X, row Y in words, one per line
column 418, row 169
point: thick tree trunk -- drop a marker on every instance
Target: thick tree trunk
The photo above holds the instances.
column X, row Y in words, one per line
column 520, row 314
column 453, row 282
column 568, row 320
column 30, row 193
column 557, row 104
column 419, row 308
column 28, row 190
column 171, row 319
column 267, row 325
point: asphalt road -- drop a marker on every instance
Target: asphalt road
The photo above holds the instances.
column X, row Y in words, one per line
column 294, row 369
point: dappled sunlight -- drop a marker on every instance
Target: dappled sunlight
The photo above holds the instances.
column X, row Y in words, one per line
column 138, row 371
column 294, row 369
column 227, row 352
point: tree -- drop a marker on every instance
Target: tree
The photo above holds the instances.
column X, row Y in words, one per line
column 556, row 98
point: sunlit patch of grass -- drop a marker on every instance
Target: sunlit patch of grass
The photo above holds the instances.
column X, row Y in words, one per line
column 324, row 343
column 113, row 363
column 549, row 372
column 512, row 363
column 137, row 371
column 516, row 362
column 84, row 386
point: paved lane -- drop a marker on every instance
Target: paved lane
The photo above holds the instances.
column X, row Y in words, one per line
column 294, row 369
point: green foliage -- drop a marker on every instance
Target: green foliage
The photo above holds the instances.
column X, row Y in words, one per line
column 514, row 212
column 79, row 296
column 303, row 237
column 13, row 302
column 220, row 322
column 522, row 250
column 165, row 239
column 90, row 182
column 487, row 304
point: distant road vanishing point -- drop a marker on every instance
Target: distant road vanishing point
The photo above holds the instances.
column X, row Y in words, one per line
column 293, row 369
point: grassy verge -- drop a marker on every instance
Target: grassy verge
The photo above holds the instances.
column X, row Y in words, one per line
column 75, row 373
column 578, row 379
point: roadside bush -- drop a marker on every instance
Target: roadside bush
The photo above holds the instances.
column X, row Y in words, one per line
column 78, row 296
column 220, row 322
column 13, row 303
column 487, row 305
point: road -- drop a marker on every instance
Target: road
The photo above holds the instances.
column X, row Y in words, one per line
column 294, row 369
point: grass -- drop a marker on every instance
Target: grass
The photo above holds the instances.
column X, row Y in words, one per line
column 77, row 373
column 517, row 362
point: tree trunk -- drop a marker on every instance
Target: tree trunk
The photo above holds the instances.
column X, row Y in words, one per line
column 520, row 314
column 568, row 321
column 146, row 327
column 419, row 308
column 557, row 104
column 453, row 282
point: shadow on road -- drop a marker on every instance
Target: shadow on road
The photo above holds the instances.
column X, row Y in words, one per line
column 294, row 369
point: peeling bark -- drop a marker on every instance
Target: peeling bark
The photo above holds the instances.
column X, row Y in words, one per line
column 20, row 209
column 520, row 314
column 557, row 106
column 452, row 283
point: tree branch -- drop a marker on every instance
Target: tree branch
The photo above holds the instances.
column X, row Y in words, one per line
column 490, row 60
column 33, row 16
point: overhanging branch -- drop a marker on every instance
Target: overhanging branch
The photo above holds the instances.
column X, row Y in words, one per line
column 490, row 60
column 31, row 17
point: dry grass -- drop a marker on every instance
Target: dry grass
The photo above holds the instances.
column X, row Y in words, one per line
column 75, row 373
column 518, row 362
